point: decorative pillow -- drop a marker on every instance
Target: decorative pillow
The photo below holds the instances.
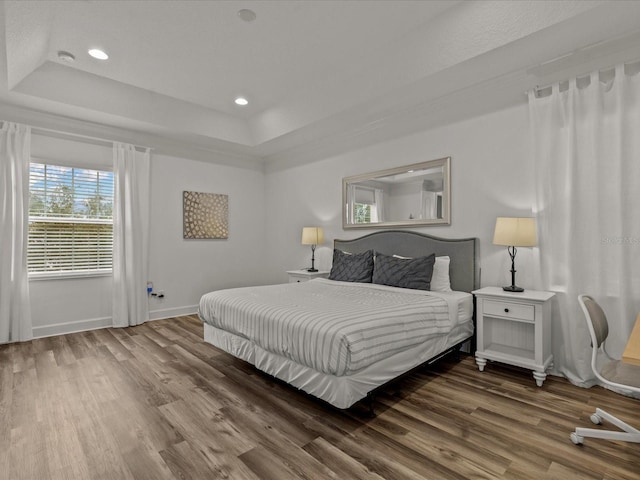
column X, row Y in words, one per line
column 404, row 272
column 352, row 267
column 440, row 281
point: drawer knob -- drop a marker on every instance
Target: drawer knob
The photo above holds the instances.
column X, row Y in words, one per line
column 506, row 310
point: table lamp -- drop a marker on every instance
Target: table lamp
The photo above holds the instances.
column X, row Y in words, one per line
column 312, row 236
column 515, row 232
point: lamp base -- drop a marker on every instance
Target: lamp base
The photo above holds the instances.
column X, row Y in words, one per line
column 513, row 288
column 312, row 269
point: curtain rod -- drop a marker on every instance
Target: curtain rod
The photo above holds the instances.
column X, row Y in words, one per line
column 626, row 64
column 93, row 140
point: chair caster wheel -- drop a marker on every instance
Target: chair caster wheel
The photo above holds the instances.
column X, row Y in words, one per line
column 576, row 439
column 595, row 418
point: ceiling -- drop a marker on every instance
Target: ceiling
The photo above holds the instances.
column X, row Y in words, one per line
column 320, row 76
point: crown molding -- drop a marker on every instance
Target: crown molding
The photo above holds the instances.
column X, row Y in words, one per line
column 195, row 148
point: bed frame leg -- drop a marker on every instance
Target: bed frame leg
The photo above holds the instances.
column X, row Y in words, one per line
column 457, row 353
column 370, row 400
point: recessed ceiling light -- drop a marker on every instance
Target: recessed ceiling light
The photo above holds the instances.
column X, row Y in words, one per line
column 241, row 101
column 247, row 15
column 66, row 56
column 99, row 54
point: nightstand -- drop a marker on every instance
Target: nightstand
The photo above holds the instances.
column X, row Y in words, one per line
column 514, row 328
column 305, row 276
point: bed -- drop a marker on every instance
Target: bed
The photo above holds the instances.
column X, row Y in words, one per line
column 341, row 340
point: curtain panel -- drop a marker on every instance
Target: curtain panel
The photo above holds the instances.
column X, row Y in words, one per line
column 15, row 155
column 130, row 235
column 586, row 153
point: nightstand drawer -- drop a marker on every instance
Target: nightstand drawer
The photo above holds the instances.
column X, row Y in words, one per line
column 509, row 310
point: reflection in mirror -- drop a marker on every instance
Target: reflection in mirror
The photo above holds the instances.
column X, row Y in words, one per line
column 413, row 195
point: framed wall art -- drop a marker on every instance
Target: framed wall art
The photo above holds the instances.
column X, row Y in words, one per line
column 205, row 215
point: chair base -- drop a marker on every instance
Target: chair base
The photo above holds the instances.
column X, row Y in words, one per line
column 629, row 434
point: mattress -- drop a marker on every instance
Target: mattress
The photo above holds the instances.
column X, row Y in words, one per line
column 333, row 328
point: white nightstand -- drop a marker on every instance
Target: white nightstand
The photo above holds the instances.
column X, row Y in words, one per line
column 514, row 328
column 305, row 276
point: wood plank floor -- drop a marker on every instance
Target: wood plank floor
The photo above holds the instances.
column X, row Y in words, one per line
column 156, row 402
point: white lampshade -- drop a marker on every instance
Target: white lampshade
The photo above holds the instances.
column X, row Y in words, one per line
column 515, row 232
column 312, row 236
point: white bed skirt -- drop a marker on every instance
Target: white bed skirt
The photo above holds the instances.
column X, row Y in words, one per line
column 341, row 392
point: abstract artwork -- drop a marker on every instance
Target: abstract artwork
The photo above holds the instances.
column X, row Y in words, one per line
column 205, row 215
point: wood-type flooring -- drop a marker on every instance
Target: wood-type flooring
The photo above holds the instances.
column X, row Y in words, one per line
column 156, row 402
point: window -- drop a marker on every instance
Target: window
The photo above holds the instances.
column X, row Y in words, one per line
column 362, row 212
column 366, row 204
column 70, row 220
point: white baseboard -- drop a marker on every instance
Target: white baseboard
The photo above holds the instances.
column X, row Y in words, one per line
column 71, row 327
column 105, row 322
column 172, row 312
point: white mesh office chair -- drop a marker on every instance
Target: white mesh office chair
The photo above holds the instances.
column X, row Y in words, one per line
column 619, row 375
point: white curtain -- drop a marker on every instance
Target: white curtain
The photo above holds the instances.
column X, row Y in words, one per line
column 351, row 199
column 15, row 310
column 586, row 145
column 130, row 235
column 429, row 204
column 379, row 206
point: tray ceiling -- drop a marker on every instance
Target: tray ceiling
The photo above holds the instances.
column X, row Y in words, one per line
column 320, row 76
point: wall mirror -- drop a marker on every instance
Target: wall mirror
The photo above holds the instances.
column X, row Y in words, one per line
column 409, row 196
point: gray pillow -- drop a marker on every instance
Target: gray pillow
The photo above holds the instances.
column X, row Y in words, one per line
column 404, row 272
column 352, row 267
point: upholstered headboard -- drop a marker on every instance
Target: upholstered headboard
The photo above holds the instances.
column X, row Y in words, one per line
column 464, row 269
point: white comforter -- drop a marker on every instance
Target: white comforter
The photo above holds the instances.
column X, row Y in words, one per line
column 333, row 327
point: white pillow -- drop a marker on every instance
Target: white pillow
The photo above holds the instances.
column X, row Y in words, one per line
column 440, row 281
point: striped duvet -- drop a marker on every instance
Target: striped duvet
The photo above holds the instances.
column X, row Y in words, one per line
column 333, row 327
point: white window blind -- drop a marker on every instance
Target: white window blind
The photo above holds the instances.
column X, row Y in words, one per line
column 70, row 220
column 364, row 195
